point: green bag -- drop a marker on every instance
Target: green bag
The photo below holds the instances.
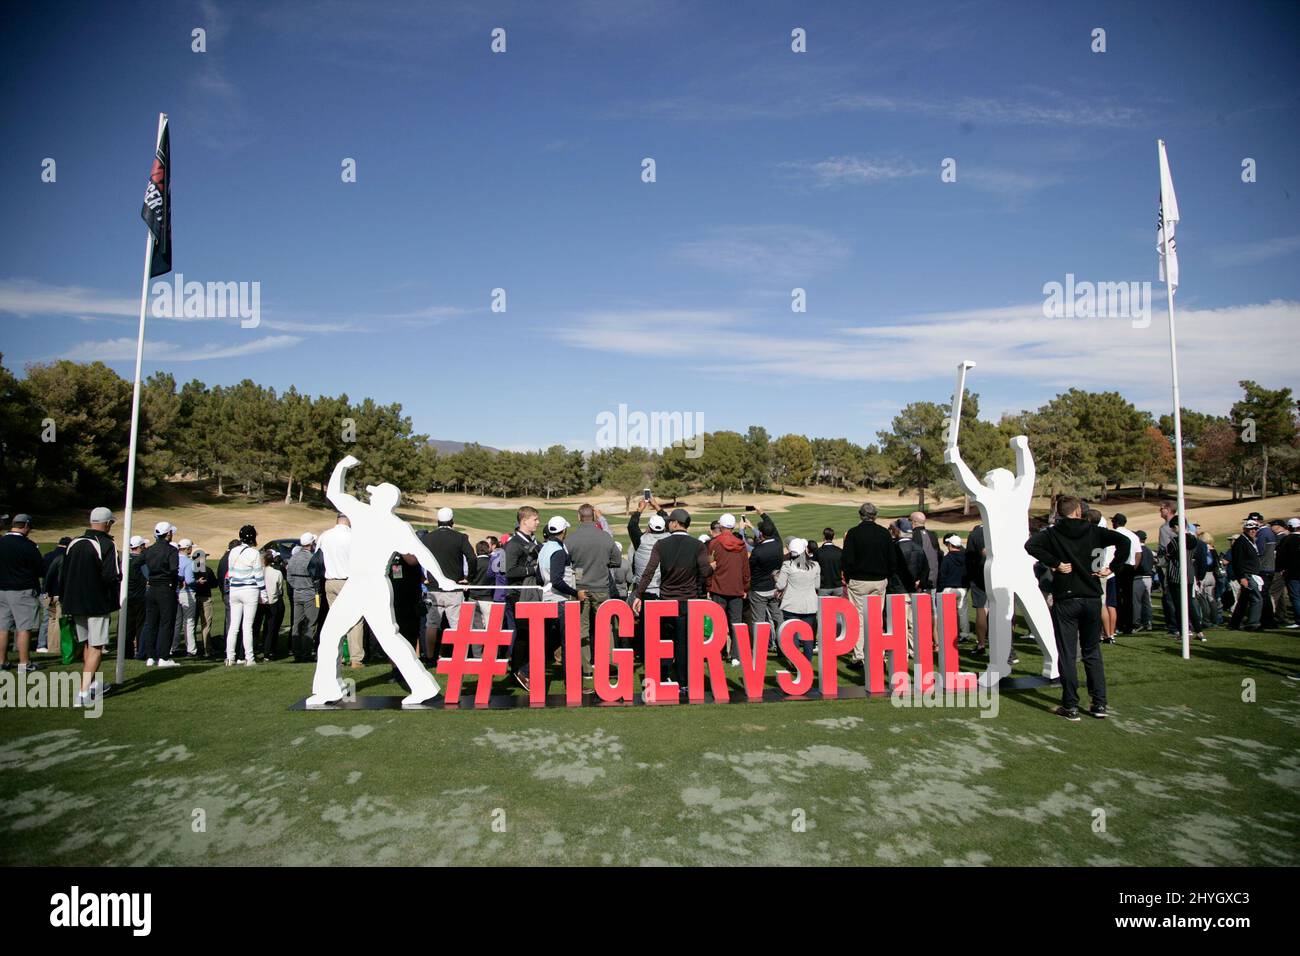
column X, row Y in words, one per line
column 67, row 639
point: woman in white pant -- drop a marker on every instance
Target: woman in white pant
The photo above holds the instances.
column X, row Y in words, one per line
column 247, row 590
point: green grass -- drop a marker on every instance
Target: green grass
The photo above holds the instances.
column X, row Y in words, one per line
column 1185, row 772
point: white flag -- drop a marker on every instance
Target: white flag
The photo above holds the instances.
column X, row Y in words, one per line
column 1166, row 221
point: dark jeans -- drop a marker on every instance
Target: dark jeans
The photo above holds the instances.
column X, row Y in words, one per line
column 674, row 629
column 272, row 618
column 1169, row 604
column 808, row 647
column 1124, row 599
column 1250, row 604
column 735, row 610
column 134, row 623
column 1079, row 619
column 159, row 620
column 1268, row 619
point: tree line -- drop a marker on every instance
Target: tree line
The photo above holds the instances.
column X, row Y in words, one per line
column 65, row 428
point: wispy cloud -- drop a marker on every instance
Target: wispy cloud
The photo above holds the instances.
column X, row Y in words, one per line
column 1014, row 344
column 120, row 349
column 853, row 170
column 776, row 252
column 1252, row 252
column 28, row 298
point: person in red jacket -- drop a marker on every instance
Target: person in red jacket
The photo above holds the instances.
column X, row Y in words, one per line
column 729, row 585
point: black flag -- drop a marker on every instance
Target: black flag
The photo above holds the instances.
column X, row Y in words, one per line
column 157, row 208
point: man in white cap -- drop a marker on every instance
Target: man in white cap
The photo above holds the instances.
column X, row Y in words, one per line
column 952, row 580
column 21, row 568
column 161, row 563
column 455, row 556
column 555, row 567
column 90, row 586
column 306, row 602
column 729, row 585
column 184, row 599
column 135, row 594
column 642, row 545
column 1246, row 569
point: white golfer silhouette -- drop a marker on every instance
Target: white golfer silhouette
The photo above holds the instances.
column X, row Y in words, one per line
column 1003, row 500
column 376, row 534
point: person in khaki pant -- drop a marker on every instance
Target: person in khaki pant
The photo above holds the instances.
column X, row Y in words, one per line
column 868, row 560
column 203, row 581
column 335, row 546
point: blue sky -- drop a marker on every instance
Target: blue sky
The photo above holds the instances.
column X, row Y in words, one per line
column 775, row 170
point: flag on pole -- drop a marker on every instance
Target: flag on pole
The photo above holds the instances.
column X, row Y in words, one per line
column 157, row 208
column 1165, row 223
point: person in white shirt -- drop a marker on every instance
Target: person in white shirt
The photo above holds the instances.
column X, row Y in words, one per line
column 335, row 546
column 247, row 590
column 1125, row 574
column 797, row 582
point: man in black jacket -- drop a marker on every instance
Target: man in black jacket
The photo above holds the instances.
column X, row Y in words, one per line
column 829, row 558
column 162, row 562
column 1246, row 566
column 684, row 566
column 135, row 595
column 869, row 561
column 520, row 563
column 455, row 556
column 1075, row 550
column 50, row 610
column 764, row 563
column 90, row 593
column 20, row 587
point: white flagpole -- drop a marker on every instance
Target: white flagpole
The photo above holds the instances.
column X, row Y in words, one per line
column 135, row 434
column 1183, row 523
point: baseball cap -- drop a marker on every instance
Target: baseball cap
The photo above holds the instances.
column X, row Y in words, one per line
column 953, row 539
column 1276, row 521
column 101, row 514
column 65, row 540
column 656, row 522
column 554, row 526
column 136, row 541
column 445, row 514
column 705, row 538
column 161, row 528
column 727, row 521
column 1249, row 523
column 1255, row 516
column 22, row 519
column 186, row 543
column 797, row 546
column 681, row 516
column 902, row 524
column 1293, row 522
column 306, row 538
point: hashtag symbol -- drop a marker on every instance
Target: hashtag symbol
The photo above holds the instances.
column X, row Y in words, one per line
column 460, row 638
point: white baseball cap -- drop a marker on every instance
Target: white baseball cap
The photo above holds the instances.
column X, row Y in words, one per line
column 161, row 528
column 953, row 539
column 656, row 522
column 1293, row 522
column 1250, row 523
column 186, row 543
column 797, row 545
column 136, row 541
column 727, row 521
column 101, row 514
column 306, row 538
column 554, row 526
column 705, row 538
column 445, row 514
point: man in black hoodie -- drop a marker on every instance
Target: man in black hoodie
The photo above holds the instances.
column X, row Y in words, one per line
column 869, row 561
column 684, row 567
column 1075, row 551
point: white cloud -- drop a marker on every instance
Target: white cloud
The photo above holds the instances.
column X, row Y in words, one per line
column 775, row 252
column 116, row 350
column 1014, row 347
column 29, row 299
